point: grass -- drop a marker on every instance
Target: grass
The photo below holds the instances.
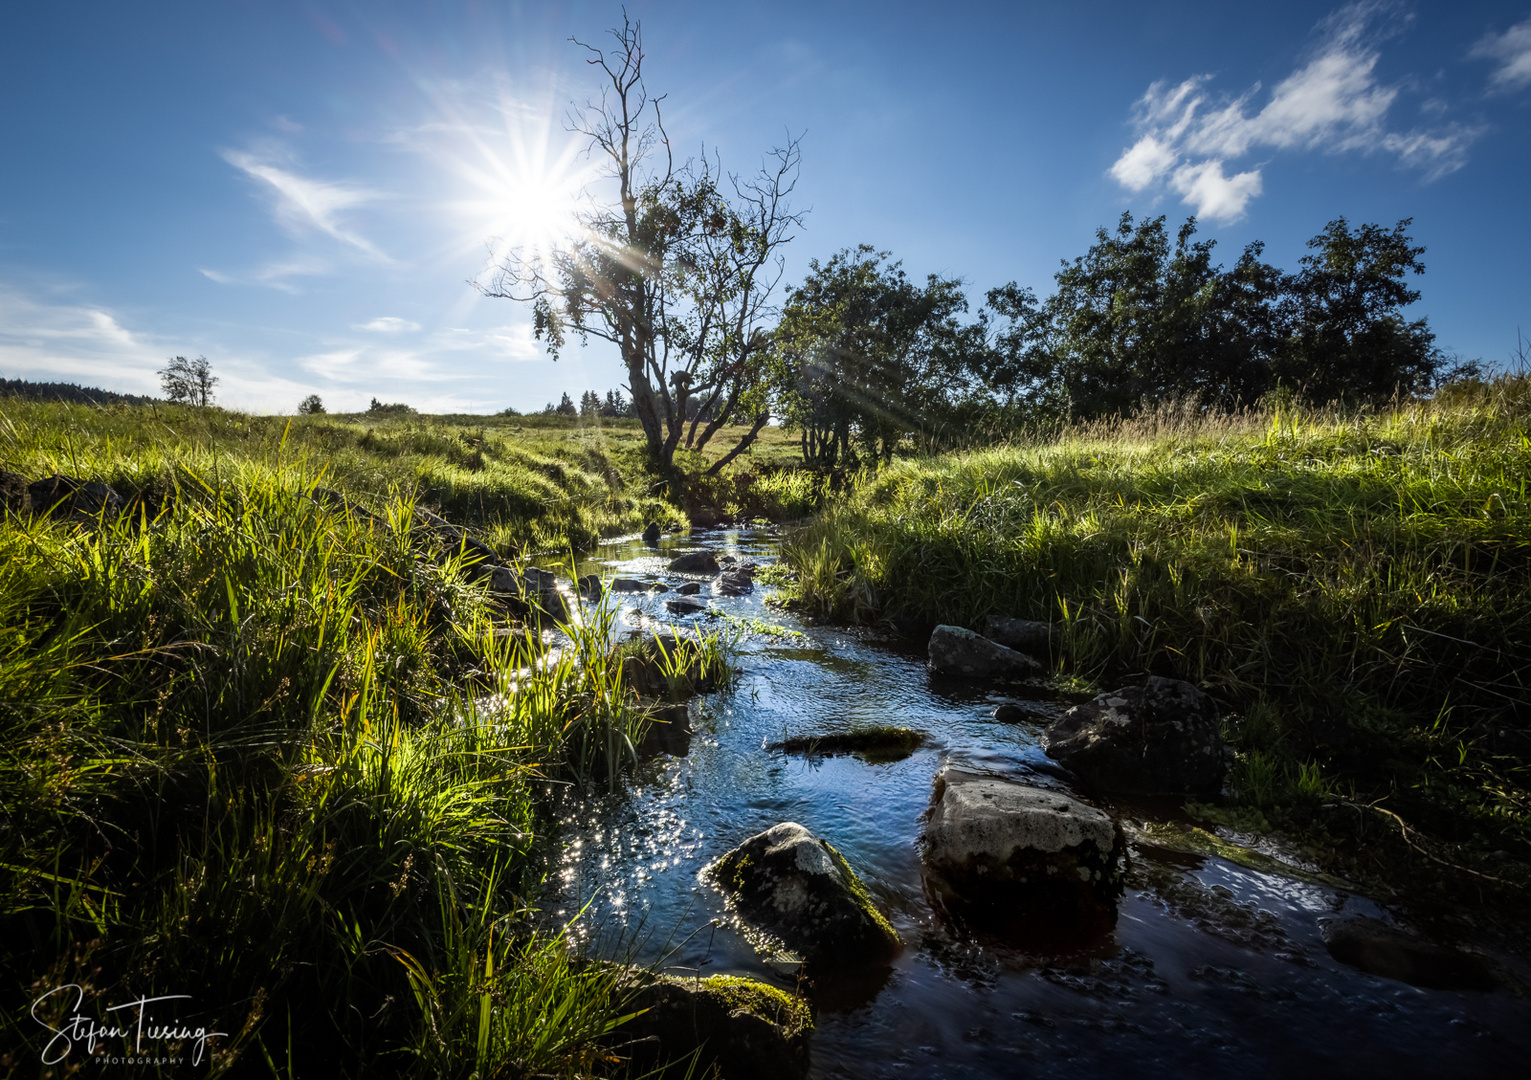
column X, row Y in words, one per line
column 282, row 758
column 1354, row 588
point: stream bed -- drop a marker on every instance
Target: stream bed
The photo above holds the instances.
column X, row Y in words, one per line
column 1212, row 968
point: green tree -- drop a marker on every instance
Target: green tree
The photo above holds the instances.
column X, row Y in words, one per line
column 311, row 405
column 1348, row 337
column 863, row 356
column 674, row 264
column 566, row 406
column 188, row 381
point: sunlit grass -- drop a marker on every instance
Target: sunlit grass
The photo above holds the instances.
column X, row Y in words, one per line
column 1354, row 587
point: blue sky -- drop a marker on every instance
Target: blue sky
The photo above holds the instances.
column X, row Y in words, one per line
column 303, row 191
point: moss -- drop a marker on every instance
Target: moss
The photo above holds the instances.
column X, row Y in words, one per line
column 863, row 898
column 878, row 743
column 786, row 1011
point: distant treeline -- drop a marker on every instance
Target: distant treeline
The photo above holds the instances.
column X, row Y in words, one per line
column 77, row 395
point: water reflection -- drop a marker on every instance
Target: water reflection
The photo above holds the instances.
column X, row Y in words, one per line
column 1210, row 967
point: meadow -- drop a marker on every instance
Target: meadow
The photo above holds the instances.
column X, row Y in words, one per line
column 287, row 759
column 1352, row 586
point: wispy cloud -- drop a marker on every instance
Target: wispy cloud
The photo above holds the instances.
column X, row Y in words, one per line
column 70, row 342
column 388, row 324
column 303, row 205
column 1333, row 103
column 1512, row 49
column 275, row 275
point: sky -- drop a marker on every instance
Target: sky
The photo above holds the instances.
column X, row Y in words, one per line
column 305, row 192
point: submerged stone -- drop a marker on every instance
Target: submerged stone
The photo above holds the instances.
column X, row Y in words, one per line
column 1375, row 947
column 1161, row 738
column 800, row 891
column 732, row 583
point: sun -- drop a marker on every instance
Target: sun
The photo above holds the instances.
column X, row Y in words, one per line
column 522, row 183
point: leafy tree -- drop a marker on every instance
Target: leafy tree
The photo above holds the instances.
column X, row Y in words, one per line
column 398, row 408
column 1138, row 318
column 188, row 381
column 311, row 405
column 864, row 356
column 674, row 264
column 1348, row 334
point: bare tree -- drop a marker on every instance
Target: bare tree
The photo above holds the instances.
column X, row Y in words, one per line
column 188, row 381
column 676, row 266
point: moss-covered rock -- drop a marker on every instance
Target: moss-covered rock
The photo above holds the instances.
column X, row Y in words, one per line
column 795, row 888
column 748, row 1030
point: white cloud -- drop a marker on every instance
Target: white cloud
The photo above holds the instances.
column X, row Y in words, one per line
column 1147, row 160
column 388, row 324
column 1334, row 103
column 303, row 204
column 1213, row 195
column 1513, row 51
column 67, row 342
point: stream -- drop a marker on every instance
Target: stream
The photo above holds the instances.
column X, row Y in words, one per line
column 1213, row 968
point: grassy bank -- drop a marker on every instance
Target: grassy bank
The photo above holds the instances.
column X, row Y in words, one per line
column 283, row 759
column 1355, row 590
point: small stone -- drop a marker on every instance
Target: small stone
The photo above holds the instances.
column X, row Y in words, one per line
column 627, row 585
column 684, row 607
column 1161, row 738
column 695, row 562
column 690, row 588
column 954, row 650
column 732, row 584
column 1011, row 713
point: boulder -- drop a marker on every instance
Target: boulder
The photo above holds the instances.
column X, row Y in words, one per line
column 1022, row 635
column 1011, row 713
column 1380, row 949
column 14, row 495
column 668, row 732
column 628, row 585
column 64, row 495
column 695, row 562
column 651, row 534
column 453, row 537
column 685, row 607
column 732, row 584
column 746, row 1029
column 590, row 586
column 532, row 587
column 958, row 651
column 690, row 588
column 797, row 890
column 989, row 840
column 1161, row 738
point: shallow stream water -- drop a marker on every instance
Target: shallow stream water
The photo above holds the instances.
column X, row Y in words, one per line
column 1211, row 968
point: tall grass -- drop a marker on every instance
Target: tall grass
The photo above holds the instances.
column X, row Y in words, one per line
column 283, row 759
column 1361, row 581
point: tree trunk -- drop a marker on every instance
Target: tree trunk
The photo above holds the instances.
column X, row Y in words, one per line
column 760, row 422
